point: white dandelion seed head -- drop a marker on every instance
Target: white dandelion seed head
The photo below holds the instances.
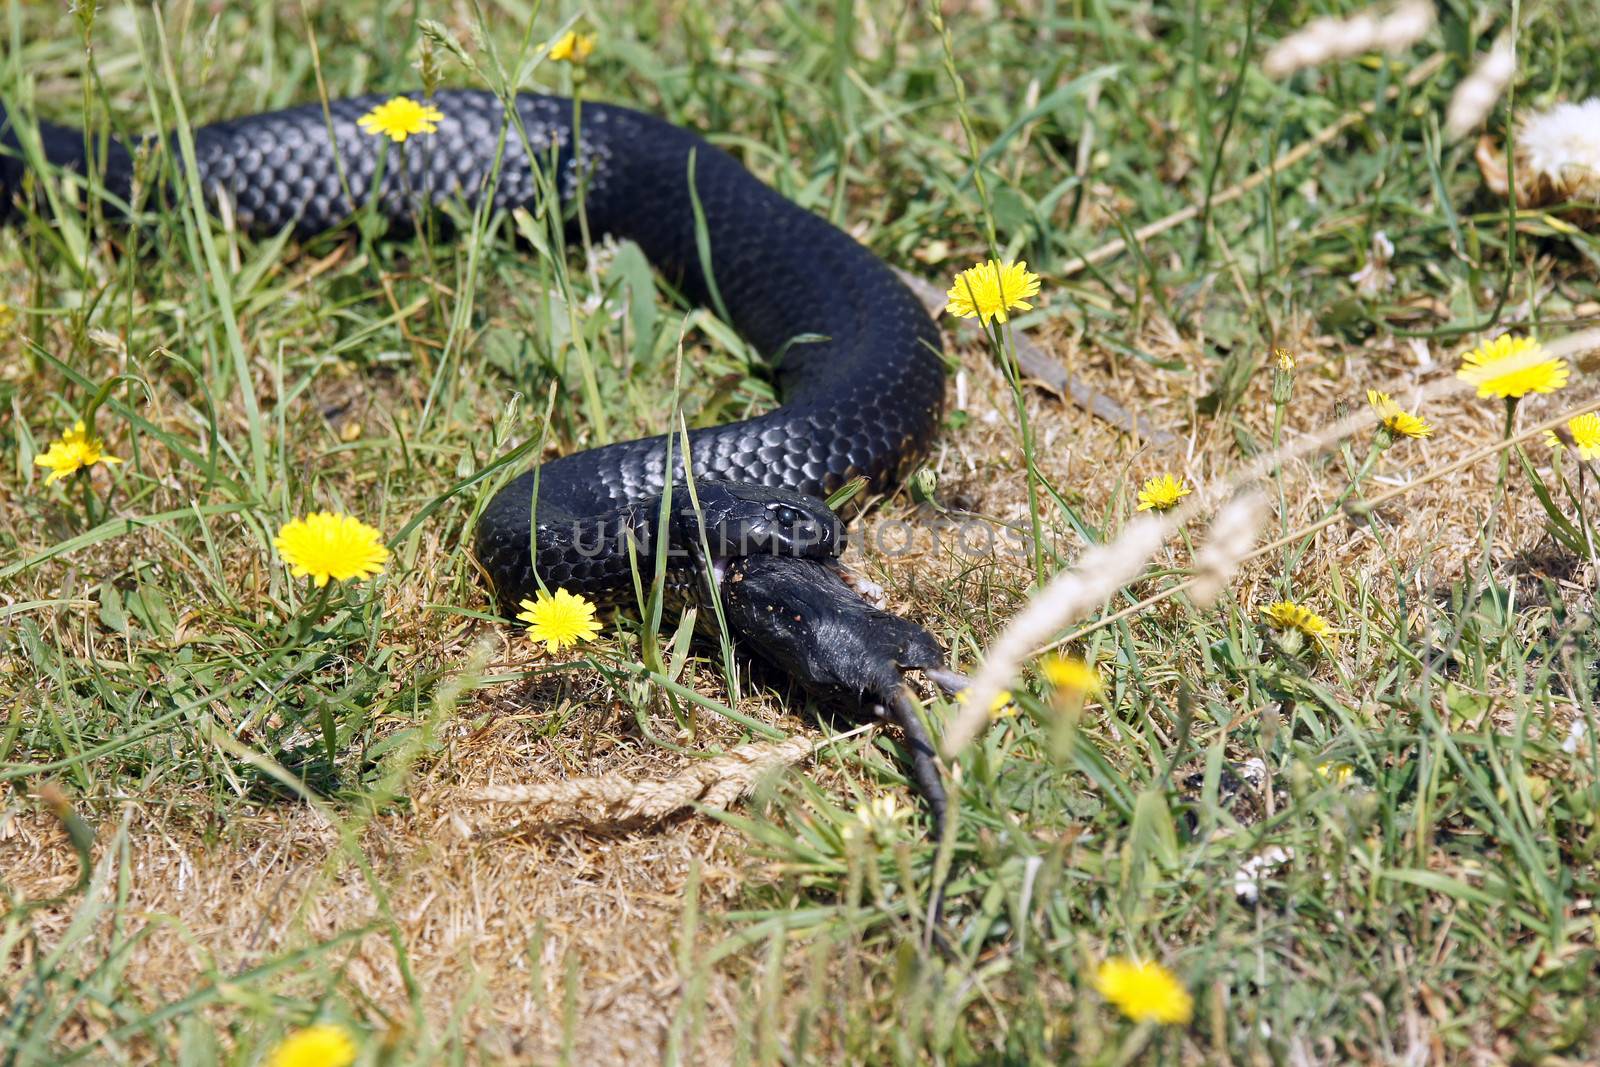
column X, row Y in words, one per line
column 1562, row 145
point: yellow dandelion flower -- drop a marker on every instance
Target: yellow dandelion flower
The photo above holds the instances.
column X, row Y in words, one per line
column 8, row 318
column 992, row 290
column 1162, row 493
column 1071, row 674
column 1396, row 419
column 400, row 117
column 1285, row 359
column 1001, row 707
column 73, row 451
column 1337, row 773
column 322, row 1045
column 573, row 47
column 1581, row 433
column 1144, row 991
column 326, row 545
column 1287, row 615
column 560, row 621
column 1511, row 367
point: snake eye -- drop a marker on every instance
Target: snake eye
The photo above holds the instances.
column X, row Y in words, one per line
column 785, row 515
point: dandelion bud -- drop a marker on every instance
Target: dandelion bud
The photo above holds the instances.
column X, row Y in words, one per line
column 1282, row 377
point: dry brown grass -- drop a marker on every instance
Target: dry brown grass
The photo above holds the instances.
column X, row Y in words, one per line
column 219, row 897
column 500, row 916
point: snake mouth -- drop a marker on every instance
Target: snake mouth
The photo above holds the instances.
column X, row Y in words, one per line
column 721, row 563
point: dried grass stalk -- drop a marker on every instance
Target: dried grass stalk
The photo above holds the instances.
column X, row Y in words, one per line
column 1070, row 596
column 1326, row 39
column 1475, row 97
column 1233, row 535
column 1102, row 571
column 612, row 801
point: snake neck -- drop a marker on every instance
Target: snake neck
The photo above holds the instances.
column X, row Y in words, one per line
column 596, row 555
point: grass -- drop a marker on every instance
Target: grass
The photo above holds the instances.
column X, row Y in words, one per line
column 230, row 809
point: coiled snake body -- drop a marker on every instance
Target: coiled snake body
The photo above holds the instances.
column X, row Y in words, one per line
column 857, row 361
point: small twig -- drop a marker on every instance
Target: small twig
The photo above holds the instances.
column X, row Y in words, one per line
column 615, row 801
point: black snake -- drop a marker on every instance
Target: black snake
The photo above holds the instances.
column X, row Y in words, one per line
column 856, row 359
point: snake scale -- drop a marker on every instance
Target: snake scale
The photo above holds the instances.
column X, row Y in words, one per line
column 856, row 359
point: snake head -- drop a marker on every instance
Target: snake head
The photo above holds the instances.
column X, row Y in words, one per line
column 799, row 615
column 754, row 520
